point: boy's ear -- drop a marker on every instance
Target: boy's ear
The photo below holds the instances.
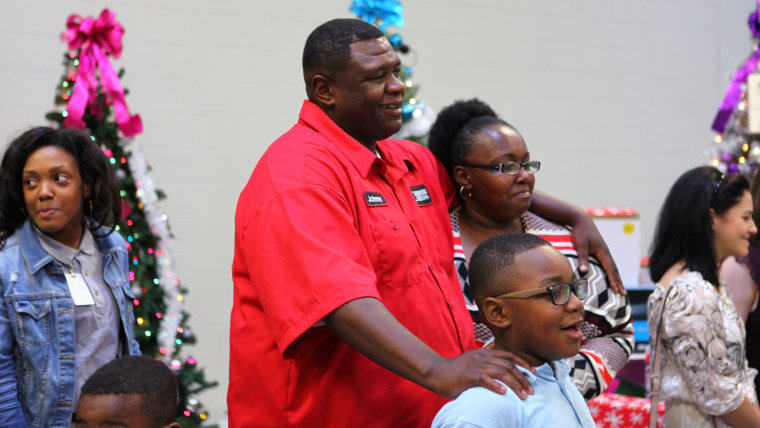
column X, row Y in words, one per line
column 497, row 312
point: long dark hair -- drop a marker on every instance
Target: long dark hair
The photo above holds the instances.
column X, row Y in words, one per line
column 93, row 167
column 684, row 227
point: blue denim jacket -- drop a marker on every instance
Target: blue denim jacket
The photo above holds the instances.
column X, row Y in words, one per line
column 37, row 328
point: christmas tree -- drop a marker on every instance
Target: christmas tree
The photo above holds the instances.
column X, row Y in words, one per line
column 417, row 116
column 90, row 96
column 736, row 145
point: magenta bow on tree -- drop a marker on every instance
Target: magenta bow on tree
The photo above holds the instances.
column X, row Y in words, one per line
column 734, row 91
column 96, row 39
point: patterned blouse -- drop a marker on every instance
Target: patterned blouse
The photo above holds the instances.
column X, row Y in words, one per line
column 607, row 330
column 703, row 367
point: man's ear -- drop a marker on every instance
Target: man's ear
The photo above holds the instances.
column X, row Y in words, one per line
column 497, row 313
column 322, row 89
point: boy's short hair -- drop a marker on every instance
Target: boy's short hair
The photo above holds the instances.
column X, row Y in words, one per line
column 151, row 379
column 494, row 261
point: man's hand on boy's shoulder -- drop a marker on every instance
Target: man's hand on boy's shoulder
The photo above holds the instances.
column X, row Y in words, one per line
column 482, row 367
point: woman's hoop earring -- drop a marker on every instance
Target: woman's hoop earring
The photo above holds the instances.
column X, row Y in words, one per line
column 463, row 195
column 90, row 207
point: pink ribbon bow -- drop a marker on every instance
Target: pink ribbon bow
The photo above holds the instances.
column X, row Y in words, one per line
column 96, row 39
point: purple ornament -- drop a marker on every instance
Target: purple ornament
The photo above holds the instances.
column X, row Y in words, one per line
column 726, row 157
column 732, row 168
column 754, row 24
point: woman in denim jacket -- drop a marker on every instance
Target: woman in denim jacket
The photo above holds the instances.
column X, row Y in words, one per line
column 66, row 301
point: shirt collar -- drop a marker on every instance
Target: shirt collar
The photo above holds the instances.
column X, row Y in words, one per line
column 36, row 257
column 64, row 253
column 362, row 158
column 553, row 371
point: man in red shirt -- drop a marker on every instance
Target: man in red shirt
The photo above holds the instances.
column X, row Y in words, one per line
column 347, row 311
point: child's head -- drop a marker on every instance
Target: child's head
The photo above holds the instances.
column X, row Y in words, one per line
column 54, row 177
column 528, row 295
column 133, row 392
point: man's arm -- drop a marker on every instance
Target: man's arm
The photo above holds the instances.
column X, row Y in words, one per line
column 366, row 325
column 585, row 236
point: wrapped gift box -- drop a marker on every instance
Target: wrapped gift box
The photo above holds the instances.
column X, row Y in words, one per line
column 622, row 411
column 621, row 229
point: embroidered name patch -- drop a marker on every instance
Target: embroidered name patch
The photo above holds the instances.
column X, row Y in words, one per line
column 375, row 199
column 421, row 194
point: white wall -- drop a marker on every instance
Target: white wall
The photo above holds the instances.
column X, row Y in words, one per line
column 615, row 98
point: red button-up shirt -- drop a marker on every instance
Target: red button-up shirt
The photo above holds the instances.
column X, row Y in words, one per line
column 323, row 221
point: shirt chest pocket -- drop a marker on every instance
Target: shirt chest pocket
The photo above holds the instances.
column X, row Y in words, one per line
column 399, row 262
column 33, row 321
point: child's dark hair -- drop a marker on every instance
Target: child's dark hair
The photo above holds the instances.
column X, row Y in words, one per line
column 454, row 129
column 150, row 379
column 93, row 167
column 684, row 228
column 494, row 260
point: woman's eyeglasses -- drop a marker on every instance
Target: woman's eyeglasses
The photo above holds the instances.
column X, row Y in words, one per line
column 510, row 168
column 559, row 292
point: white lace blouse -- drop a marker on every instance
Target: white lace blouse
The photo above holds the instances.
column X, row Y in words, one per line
column 704, row 370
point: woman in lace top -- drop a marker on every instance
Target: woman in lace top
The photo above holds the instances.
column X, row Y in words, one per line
column 705, row 382
column 489, row 162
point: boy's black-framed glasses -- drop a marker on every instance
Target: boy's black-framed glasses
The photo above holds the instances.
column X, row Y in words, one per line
column 510, row 168
column 559, row 292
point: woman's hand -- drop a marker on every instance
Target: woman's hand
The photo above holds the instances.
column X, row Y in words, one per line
column 587, row 240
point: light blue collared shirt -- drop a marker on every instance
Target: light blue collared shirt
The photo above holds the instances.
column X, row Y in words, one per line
column 555, row 403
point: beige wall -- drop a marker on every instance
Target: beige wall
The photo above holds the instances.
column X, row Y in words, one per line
column 614, row 97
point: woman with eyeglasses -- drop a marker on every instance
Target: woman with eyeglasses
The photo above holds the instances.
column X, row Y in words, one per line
column 705, row 379
column 489, row 162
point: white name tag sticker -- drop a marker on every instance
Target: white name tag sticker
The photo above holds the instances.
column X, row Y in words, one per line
column 80, row 293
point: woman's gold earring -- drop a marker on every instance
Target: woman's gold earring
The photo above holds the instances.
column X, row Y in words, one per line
column 90, row 207
column 462, row 193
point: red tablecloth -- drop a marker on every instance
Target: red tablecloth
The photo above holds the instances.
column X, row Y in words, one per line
column 622, row 411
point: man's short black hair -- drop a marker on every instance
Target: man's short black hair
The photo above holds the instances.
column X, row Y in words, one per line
column 147, row 377
column 328, row 47
column 493, row 262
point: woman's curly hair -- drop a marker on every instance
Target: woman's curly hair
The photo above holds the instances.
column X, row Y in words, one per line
column 454, row 129
column 93, row 167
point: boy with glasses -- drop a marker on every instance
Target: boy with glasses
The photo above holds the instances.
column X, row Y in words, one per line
column 531, row 300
